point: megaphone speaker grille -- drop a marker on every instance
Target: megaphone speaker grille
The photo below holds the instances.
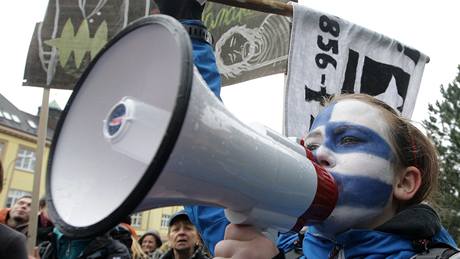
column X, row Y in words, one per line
column 150, row 56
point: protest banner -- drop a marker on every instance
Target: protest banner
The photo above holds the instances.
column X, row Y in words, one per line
column 329, row 55
column 249, row 44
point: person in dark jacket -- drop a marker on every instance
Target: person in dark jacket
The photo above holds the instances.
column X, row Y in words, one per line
column 17, row 217
column 183, row 239
column 44, row 224
column 12, row 243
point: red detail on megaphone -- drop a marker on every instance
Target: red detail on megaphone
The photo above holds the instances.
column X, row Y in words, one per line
column 311, row 157
column 116, row 121
column 325, row 198
column 308, row 151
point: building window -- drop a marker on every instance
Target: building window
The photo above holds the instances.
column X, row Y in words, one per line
column 136, row 220
column 7, row 115
column 165, row 220
column 2, row 146
column 25, row 159
column 32, row 124
column 13, row 195
column 16, row 118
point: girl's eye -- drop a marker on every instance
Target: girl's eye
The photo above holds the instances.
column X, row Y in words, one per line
column 311, row 146
column 349, row 140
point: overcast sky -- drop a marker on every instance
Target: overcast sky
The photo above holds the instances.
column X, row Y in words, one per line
column 428, row 26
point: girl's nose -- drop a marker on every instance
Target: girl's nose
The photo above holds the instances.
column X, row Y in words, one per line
column 324, row 157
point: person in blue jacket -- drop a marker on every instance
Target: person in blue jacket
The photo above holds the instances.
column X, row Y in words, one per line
column 189, row 13
column 384, row 166
column 385, row 169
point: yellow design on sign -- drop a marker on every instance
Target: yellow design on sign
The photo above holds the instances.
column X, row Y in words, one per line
column 79, row 43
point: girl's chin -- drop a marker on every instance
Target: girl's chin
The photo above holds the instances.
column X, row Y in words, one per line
column 335, row 225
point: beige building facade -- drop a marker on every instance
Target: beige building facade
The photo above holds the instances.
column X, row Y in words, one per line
column 18, row 144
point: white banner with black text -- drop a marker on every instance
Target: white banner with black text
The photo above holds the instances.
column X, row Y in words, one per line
column 329, row 55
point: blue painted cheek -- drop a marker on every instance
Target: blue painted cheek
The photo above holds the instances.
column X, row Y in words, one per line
column 362, row 191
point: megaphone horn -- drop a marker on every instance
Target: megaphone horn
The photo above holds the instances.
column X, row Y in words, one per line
column 142, row 130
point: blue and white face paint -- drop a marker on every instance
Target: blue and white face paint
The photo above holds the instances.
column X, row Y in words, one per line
column 350, row 140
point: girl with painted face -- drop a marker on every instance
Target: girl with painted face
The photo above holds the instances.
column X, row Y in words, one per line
column 381, row 163
column 384, row 168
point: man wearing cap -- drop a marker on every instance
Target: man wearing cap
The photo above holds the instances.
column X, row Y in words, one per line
column 183, row 239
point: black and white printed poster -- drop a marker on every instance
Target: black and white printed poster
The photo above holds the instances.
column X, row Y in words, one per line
column 248, row 44
column 329, row 55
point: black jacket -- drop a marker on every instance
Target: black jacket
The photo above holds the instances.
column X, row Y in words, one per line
column 12, row 243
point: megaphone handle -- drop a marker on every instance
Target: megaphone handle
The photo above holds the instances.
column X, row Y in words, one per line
column 240, row 218
column 271, row 234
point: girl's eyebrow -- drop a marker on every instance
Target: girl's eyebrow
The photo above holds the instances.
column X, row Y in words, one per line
column 313, row 134
column 342, row 128
column 358, row 128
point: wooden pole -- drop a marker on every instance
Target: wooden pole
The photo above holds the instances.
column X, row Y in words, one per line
column 9, row 173
column 41, row 141
column 266, row 6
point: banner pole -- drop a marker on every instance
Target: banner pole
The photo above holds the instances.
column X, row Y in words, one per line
column 266, row 6
column 41, row 141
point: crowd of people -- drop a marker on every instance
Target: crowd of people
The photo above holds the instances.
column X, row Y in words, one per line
column 121, row 242
column 16, row 218
column 385, row 168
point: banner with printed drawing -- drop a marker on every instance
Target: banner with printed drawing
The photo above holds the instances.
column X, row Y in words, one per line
column 248, row 44
column 329, row 55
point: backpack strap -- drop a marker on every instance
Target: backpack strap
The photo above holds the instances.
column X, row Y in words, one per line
column 428, row 250
column 47, row 250
column 438, row 253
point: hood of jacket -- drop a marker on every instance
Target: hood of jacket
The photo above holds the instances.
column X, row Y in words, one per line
column 393, row 239
column 4, row 215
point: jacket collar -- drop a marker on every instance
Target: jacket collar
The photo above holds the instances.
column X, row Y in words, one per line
column 416, row 222
column 393, row 237
column 4, row 215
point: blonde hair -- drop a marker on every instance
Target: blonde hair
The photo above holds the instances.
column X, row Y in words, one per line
column 136, row 249
column 410, row 145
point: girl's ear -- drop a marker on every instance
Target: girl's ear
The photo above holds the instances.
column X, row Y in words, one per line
column 407, row 183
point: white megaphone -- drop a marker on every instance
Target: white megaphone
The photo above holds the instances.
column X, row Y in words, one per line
column 142, row 130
